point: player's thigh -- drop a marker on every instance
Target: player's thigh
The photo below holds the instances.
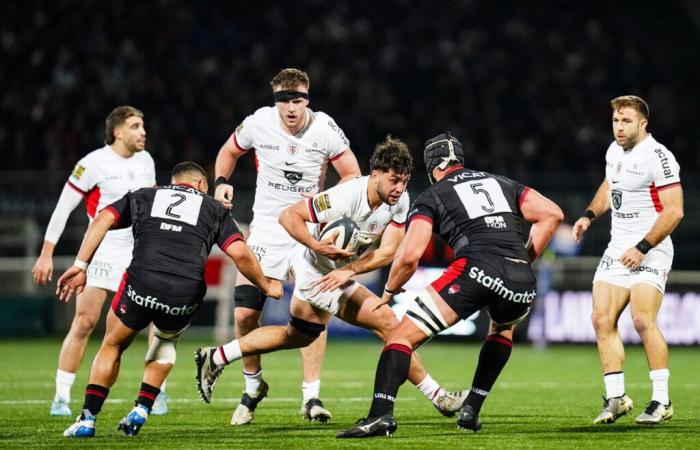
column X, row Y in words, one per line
column 609, row 300
column 303, row 310
column 364, row 309
column 117, row 334
column 645, row 301
column 89, row 302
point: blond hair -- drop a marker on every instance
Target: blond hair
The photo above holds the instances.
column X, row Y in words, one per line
column 631, row 101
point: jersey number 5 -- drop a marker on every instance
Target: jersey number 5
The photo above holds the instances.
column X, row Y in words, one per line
column 482, row 197
column 177, row 205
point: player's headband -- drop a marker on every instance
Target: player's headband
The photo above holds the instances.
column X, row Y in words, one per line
column 440, row 151
column 285, row 96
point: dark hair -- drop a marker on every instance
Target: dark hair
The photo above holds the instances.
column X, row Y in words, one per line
column 187, row 167
column 631, row 101
column 392, row 154
column 116, row 118
column 290, row 79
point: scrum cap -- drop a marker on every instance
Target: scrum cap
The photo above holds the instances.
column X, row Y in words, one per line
column 440, row 151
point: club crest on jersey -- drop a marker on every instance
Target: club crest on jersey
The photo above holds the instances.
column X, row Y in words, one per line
column 292, row 149
column 78, row 171
column 616, row 198
column 293, row 177
column 453, row 289
column 618, row 168
column 372, row 227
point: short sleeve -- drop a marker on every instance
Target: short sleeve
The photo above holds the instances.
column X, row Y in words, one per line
column 423, row 209
column 521, row 192
column 229, row 232
column 243, row 136
column 83, row 178
column 329, row 205
column 337, row 142
column 121, row 210
column 400, row 215
column 665, row 168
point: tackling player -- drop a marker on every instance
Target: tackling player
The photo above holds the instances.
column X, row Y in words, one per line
column 378, row 205
column 292, row 146
column 175, row 227
column 642, row 184
column 480, row 215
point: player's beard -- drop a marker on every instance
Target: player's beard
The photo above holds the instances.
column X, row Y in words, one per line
column 383, row 196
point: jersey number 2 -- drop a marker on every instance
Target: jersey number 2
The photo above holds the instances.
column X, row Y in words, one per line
column 177, row 205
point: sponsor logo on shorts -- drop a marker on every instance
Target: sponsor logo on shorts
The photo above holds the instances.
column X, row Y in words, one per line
column 645, row 269
column 153, row 303
column 258, row 251
column 321, row 203
column 497, row 286
column 605, row 262
column 453, row 289
column 495, row 222
column 100, row 269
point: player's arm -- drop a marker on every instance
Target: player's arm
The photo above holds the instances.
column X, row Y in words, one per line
column 545, row 216
column 667, row 221
column 294, row 219
column 74, row 279
column 70, row 198
column 224, row 166
column 598, row 206
column 248, row 265
column 371, row 260
column 409, row 253
column 346, row 166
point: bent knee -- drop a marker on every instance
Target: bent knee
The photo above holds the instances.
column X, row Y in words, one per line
column 642, row 324
column 602, row 323
column 246, row 319
column 84, row 323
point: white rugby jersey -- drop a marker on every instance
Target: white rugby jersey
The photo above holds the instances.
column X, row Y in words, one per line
column 350, row 200
column 103, row 177
column 288, row 166
column 635, row 178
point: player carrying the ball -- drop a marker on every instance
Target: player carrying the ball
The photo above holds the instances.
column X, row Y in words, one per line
column 378, row 204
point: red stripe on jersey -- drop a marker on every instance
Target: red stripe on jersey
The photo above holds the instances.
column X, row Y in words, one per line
column 451, row 274
column 423, row 218
column 120, row 291
column 312, row 213
column 522, row 196
column 75, row 188
column 114, row 212
column 667, row 186
column 92, row 200
column 453, row 169
column 655, row 198
column 235, row 141
column 336, row 157
column 231, row 239
column 396, row 224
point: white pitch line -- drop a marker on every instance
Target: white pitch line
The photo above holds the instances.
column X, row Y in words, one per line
column 193, row 400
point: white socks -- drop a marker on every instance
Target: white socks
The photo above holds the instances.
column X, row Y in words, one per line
column 228, row 353
column 311, row 389
column 614, row 384
column 64, row 381
column 659, row 383
column 162, row 386
column 252, row 382
column 428, row 387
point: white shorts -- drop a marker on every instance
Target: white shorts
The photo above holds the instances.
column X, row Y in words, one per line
column 305, row 273
column 107, row 267
column 653, row 270
column 273, row 247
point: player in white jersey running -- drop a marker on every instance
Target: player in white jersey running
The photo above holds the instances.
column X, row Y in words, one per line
column 292, row 146
column 642, row 185
column 378, row 204
column 102, row 177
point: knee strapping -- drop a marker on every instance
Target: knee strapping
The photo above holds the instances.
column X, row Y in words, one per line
column 425, row 314
column 163, row 348
column 307, row 328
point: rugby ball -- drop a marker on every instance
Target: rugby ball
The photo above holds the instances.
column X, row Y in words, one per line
column 345, row 227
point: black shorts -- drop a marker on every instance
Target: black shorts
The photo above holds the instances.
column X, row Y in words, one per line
column 505, row 286
column 169, row 301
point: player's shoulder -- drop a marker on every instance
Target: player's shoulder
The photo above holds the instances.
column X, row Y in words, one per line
column 655, row 148
column 263, row 114
column 97, row 155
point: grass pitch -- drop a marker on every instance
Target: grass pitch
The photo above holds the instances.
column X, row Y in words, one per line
column 544, row 399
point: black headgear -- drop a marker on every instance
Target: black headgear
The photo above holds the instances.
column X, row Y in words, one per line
column 440, row 151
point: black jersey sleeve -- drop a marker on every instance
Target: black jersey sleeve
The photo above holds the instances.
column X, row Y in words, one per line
column 424, row 208
column 228, row 231
column 121, row 210
column 521, row 192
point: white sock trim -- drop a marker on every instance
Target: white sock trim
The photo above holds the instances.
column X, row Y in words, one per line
column 428, row 387
column 614, row 384
column 64, row 383
column 659, row 384
column 310, row 389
